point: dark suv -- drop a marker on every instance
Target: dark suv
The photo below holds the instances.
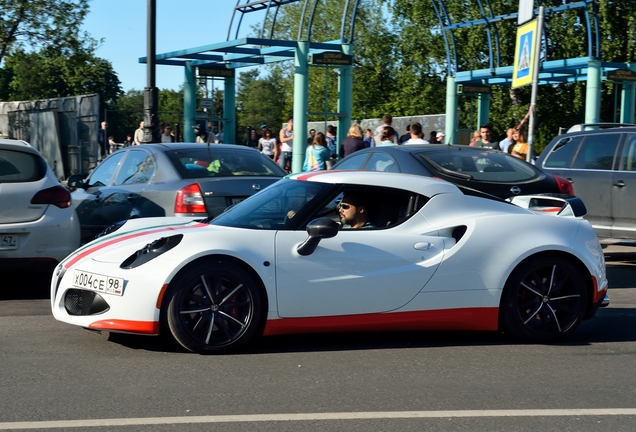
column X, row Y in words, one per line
column 601, row 164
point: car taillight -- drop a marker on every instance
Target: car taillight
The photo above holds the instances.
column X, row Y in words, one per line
column 190, row 200
column 58, row 196
column 565, row 187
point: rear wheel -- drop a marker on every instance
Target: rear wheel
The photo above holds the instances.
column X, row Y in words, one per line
column 544, row 299
column 213, row 307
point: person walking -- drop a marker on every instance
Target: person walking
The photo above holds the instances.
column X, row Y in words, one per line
column 267, row 144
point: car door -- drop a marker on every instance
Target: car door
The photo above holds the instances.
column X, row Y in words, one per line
column 88, row 201
column 623, row 191
column 358, row 271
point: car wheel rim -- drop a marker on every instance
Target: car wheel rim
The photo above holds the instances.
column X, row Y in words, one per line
column 548, row 301
column 216, row 309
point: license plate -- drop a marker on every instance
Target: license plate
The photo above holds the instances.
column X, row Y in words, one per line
column 97, row 282
column 8, row 241
column 237, row 200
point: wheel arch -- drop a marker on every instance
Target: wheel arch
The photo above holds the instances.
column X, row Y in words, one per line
column 581, row 267
column 255, row 276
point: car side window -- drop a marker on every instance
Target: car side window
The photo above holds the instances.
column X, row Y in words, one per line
column 353, row 162
column 561, row 154
column 384, row 207
column 381, row 161
column 597, row 152
column 103, row 174
column 137, row 168
column 628, row 161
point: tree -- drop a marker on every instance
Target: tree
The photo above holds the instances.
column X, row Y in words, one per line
column 41, row 23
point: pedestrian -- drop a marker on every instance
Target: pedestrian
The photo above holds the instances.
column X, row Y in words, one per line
column 332, row 145
column 317, row 154
column 416, row 135
column 440, row 137
column 485, row 140
column 166, row 136
column 312, row 134
column 252, row 138
column 353, row 142
column 368, row 138
column 407, row 136
column 387, row 138
column 476, row 137
column 286, row 136
column 102, row 140
column 129, row 141
column 112, row 145
column 520, row 149
column 267, row 144
column 387, row 120
column 506, row 144
column 432, row 137
column 139, row 134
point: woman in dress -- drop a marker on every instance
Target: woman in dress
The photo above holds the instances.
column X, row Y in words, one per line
column 267, row 144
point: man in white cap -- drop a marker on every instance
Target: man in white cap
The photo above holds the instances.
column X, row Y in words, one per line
column 440, row 137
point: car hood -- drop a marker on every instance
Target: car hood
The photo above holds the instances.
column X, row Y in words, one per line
column 133, row 235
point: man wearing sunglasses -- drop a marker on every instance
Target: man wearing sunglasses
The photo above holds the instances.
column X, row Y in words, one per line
column 354, row 212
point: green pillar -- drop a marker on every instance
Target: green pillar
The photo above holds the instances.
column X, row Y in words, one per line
column 229, row 111
column 627, row 102
column 345, row 90
column 189, row 102
column 301, row 94
column 483, row 109
column 593, row 92
column 452, row 106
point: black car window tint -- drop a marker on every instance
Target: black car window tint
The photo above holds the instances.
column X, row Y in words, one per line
column 597, row 152
column 353, row 162
column 481, row 165
column 380, row 161
column 562, row 153
column 105, row 171
column 628, row 161
column 137, row 168
column 18, row 167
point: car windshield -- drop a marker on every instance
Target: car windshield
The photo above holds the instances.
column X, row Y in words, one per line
column 208, row 161
column 485, row 166
column 273, row 207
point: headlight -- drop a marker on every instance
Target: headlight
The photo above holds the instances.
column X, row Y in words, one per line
column 151, row 251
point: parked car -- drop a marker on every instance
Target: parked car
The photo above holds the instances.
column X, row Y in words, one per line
column 490, row 171
column 177, row 179
column 601, row 165
column 428, row 258
column 38, row 225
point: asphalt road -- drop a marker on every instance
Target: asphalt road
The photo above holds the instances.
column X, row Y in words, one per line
column 57, row 377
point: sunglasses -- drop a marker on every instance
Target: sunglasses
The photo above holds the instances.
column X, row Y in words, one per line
column 344, row 206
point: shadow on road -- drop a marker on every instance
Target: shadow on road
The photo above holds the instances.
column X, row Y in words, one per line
column 25, row 285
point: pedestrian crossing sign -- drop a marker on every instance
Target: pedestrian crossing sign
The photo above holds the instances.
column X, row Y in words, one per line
column 525, row 50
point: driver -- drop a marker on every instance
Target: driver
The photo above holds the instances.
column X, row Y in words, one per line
column 354, row 211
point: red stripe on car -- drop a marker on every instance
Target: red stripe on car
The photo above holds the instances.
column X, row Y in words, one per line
column 479, row 319
column 128, row 326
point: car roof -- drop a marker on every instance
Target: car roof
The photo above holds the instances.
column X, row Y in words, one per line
column 13, row 144
column 414, row 183
column 621, row 129
column 182, row 145
column 411, row 148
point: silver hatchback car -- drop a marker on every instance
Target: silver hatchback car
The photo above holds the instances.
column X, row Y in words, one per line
column 38, row 225
column 601, row 165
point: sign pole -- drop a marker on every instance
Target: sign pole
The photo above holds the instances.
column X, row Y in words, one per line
column 535, row 84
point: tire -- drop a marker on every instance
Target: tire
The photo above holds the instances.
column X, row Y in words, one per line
column 213, row 307
column 544, row 300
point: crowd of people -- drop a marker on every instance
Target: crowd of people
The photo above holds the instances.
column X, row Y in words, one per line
column 322, row 149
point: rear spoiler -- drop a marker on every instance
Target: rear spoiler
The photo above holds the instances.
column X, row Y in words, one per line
column 555, row 204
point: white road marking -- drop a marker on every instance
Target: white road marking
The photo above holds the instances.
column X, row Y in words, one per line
column 315, row 416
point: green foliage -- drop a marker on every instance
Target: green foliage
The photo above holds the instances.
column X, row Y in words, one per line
column 42, row 24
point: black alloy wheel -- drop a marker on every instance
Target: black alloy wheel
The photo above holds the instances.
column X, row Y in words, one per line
column 544, row 300
column 213, row 307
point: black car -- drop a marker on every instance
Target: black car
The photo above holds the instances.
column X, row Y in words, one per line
column 178, row 179
column 489, row 171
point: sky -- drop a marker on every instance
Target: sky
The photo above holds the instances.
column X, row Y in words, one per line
column 181, row 24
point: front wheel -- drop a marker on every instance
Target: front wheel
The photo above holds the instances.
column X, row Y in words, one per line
column 544, row 299
column 213, row 307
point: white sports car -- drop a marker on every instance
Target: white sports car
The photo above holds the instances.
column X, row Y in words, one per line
column 428, row 256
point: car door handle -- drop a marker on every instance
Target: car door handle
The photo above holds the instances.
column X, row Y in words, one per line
column 422, row 245
column 619, row 183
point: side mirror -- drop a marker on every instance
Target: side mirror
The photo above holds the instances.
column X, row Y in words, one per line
column 75, row 181
column 317, row 229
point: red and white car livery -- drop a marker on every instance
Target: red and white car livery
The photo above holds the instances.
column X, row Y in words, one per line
column 433, row 257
